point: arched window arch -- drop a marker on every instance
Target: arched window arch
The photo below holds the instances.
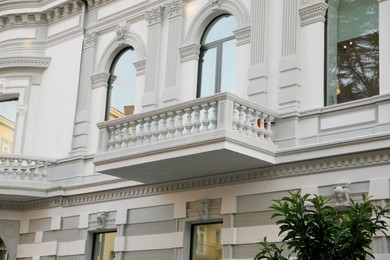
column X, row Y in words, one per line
column 352, row 49
column 121, row 91
column 218, row 58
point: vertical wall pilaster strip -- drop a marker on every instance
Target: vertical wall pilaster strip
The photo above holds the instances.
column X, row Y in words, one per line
column 80, row 130
column 257, row 88
column 174, row 10
column 289, row 82
column 154, row 18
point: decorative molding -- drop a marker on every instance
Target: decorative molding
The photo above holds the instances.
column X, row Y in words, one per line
column 342, row 196
column 243, row 35
column 313, row 13
column 215, row 4
column 155, row 15
column 120, row 31
column 21, row 109
column 3, row 84
column 100, row 80
column 140, row 67
column 25, row 62
column 202, row 207
column 101, row 220
column 90, row 40
column 190, row 52
column 174, row 8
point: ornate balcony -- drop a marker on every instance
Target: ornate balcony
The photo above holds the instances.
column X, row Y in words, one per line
column 206, row 136
column 23, row 177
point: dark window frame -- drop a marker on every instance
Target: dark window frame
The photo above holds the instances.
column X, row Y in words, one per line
column 192, row 233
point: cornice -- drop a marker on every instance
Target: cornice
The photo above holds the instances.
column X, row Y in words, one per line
column 190, row 52
column 25, row 62
column 313, row 13
column 243, row 35
column 347, row 162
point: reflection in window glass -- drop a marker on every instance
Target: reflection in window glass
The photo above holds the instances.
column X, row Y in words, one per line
column 7, row 125
column 206, row 242
column 103, row 246
column 217, row 62
column 122, row 85
column 352, row 50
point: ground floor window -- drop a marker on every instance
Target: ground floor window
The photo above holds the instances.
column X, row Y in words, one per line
column 206, row 241
column 103, row 246
column 7, row 125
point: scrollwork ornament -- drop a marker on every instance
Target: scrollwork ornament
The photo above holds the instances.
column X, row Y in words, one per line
column 215, row 4
column 154, row 16
column 174, row 8
column 21, row 109
column 90, row 40
column 101, row 219
column 121, row 31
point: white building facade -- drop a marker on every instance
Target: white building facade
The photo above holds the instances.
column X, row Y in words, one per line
column 163, row 129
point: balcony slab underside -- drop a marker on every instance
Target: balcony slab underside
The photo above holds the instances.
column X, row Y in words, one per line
column 208, row 153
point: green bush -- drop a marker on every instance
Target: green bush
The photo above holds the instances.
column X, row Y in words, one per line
column 314, row 230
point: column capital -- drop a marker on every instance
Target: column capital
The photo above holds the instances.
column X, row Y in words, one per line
column 155, row 15
column 174, row 8
column 312, row 12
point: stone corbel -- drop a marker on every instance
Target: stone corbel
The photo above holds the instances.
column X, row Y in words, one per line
column 202, row 207
column 121, row 31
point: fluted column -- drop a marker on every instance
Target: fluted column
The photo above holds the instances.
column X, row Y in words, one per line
column 81, row 125
column 174, row 10
column 312, row 18
column 154, row 18
column 258, row 74
column 289, row 67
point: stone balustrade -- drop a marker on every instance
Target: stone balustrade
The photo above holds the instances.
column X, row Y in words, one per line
column 222, row 111
column 25, row 168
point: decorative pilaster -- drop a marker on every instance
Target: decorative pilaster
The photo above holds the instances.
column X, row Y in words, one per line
column 154, row 18
column 174, row 9
column 289, row 80
column 81, row 124
column 258, row 75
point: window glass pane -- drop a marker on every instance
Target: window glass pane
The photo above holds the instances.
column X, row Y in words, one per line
column 228, row 72
column 103, row 246
column 206, row 242
column 208, row 68
column 122, row 85
column 220, row 28
column 3, row 251
column 352, row 50
column 7, row 125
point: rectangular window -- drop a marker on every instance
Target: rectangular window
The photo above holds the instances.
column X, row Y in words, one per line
column 7, row 125
column 206, row 241
column 352, row 50
column 103, row 246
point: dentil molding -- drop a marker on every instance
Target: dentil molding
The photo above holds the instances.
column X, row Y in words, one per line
column 25, row 62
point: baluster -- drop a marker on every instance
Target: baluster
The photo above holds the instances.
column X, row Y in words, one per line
column 180, row 126
column 171, row 126
column 241, row 118
column 205, row 120
column 36, row 175
column 140, row 132
column 8, row 168
column 269, row 130
column 196, row 123
column 133, row 133
column 2, row 168
column 163, row 130
column 256, row 126
column 262, row 130
column 111, row 142
column 235, row 116
column 28, row 170
column 125, row 135
column 155, row 132
column 213, row 118
column 15, row 167
column 248, row 121
column 188, row 124
column 253, row 123
column 44, row 172
column 118, row 136
column 148, row 132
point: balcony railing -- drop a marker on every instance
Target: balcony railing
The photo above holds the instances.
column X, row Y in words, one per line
column 221, row 111
column 24, row 168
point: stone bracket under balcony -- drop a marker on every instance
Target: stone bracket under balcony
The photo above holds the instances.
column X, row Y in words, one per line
column 207, row 136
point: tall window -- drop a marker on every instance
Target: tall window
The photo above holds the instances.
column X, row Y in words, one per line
column 218, row 58
column 352, row 50
column 206, row 242
column 121, row 85
column 7, row 125
column 103, row 246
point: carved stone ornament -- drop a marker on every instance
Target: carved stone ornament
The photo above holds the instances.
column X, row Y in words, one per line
column 202, row 206
column 120, row 31
column 21, row 109
column 101, row 219
column 174, row 8
column 3, row 84
column 215, row 4
column 342, row 196
column 90, row 40
column 155, row 15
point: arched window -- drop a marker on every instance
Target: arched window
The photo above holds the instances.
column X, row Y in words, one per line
column 218, row 58
column 121, row 85
column 352, row 50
